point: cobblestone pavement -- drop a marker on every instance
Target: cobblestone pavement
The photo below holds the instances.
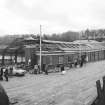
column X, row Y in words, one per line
column 76, row 87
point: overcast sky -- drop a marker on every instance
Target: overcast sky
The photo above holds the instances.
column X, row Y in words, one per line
column 55, row 16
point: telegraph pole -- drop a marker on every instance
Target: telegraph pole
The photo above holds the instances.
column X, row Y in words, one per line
column 80, row 44
column 40, row 47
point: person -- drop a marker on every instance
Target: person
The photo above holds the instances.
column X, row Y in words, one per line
column 29, row 62
column 35, row 69
column 1, row 73
column 62, row 69
column 86, row 58
column 75, row 62
column 81, row 63
column 43, row 67
column 46, row 69
column 11, row 71
column 6, row 74
column 39, row 71
column 70, row 65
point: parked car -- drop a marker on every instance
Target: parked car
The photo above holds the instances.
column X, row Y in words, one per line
column 19, row 72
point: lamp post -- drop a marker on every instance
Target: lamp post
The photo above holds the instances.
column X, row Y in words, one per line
column 80, row 44
column 40, row 47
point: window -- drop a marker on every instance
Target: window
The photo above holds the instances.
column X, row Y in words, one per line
column 60, row 59
column 70, row 59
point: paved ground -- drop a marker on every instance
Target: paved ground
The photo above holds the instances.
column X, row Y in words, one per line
column 76, row 87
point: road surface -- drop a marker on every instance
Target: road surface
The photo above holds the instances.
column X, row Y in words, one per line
column 76, row 87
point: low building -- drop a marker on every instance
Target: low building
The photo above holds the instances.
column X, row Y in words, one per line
column 53, row 53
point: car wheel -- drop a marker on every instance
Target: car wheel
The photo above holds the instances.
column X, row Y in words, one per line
column 17, row 74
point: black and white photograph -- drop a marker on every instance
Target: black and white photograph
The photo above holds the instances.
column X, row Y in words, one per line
column 52, row 52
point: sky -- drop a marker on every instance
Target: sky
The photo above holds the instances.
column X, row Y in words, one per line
column 55, row 16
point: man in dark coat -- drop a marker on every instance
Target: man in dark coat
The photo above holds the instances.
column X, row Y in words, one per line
column 46, row 69
column 4, row 100
column 43, row 67
column 6, row 74
column 81, row 62
column 62, row 68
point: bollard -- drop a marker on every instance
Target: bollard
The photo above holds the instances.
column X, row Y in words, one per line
column 100, row 100
column 104, row 86
column 99, row 90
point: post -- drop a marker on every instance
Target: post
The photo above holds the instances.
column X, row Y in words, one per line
column 40, row 48
column 99, row 90
column 80, row 45
column 104, row 86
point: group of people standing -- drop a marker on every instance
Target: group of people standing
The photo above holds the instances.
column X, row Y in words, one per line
column 44, row 68
column 80, row 61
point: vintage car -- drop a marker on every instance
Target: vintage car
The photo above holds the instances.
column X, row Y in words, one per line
column 19, row 72
column 16, row 71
